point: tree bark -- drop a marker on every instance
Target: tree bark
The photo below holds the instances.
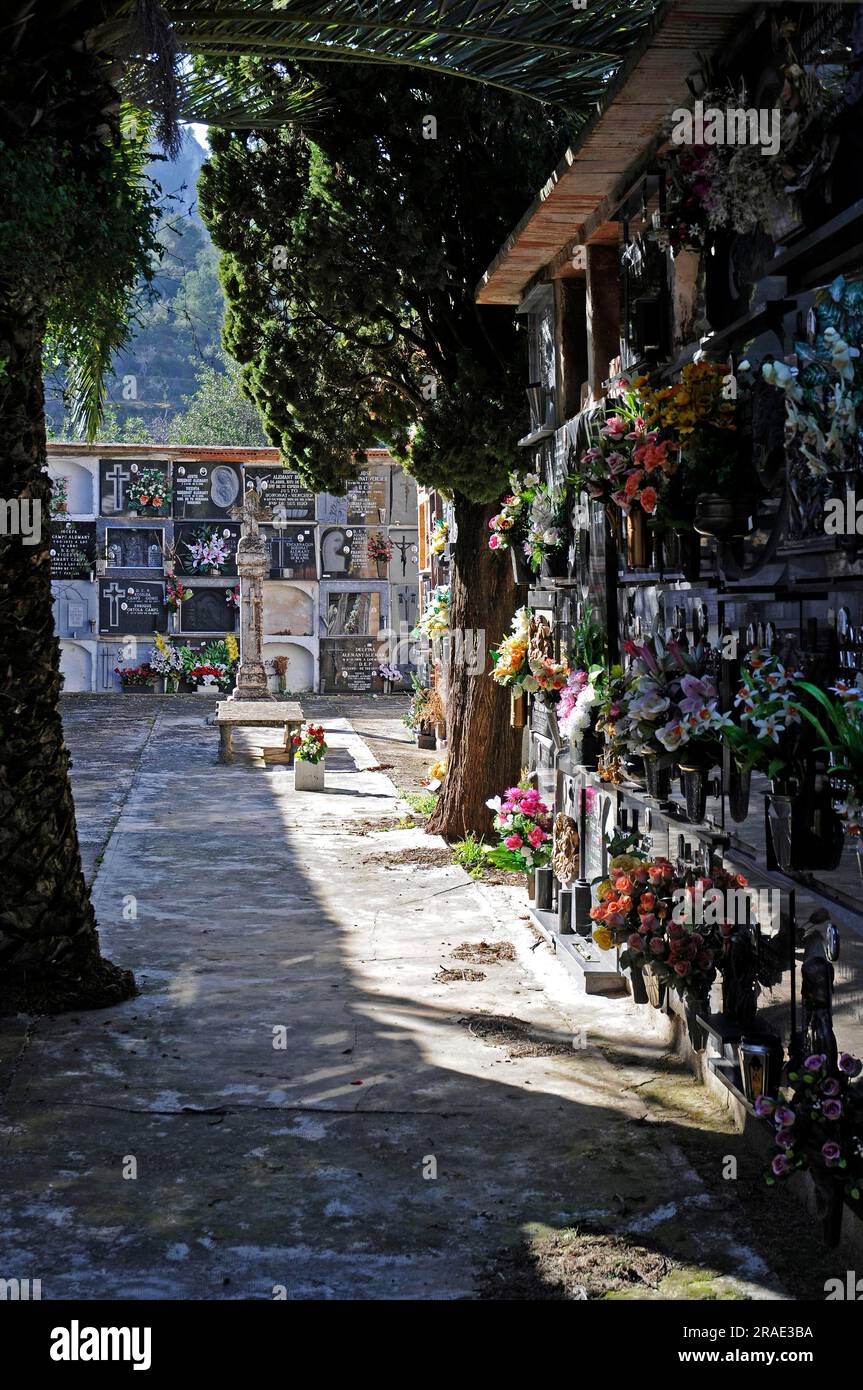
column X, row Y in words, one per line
column 483, row 751
column 49, row 946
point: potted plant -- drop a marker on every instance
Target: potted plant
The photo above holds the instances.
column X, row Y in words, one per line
column 310, row 749
column 381, row 551
column 176, row 594
column 168, row 664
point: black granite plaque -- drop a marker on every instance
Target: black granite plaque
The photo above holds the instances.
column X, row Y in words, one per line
column 282, row 491
column 206, row 491
column 134, row 547
column 208, row 610
column 367, row 499
column 115, row 477
column 345, row 553
column 293, row 551
column 187, row 534
column 73, row 549
column 134, row 606
column 348, row 664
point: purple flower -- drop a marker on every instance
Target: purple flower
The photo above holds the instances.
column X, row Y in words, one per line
column 851, row 1066
column 831, row 1152
column 831, row 1109
column 784, row 1138
column 781, row 1164
column 830, row 1086
column 764, row 1106
column 815, row 1062
column 784, row 1116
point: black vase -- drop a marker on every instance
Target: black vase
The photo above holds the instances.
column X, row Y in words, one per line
column 695, row 791
column 657, row 778
column 555, row 563
column 637, row 987
column 589, row 749
column 690, row 554
column 738, row 792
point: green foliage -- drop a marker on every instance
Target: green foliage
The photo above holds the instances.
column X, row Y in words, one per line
column 76, row 227
column 351, row 252
column 421, row 803
column 470, row 853
column 218, row 412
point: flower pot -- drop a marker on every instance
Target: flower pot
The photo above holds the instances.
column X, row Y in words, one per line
column 555, row 563
column 695, row 791
column 543, row 887
column 637, row 986
column 689, row 543
column 517, row 709
column 202, row 689
column 780, row 810
column 738, row 792
column 803, row 835
column 425, row 740
column 657, row 778
column 174, row 619
column 308, row 777
column 588, row 750
column 696, row 1031
column 531, row 885
column 830, row 1206
column 521, row 571
column 143, row 688
column 381, row 567
column 636, row 539
column 655, row 989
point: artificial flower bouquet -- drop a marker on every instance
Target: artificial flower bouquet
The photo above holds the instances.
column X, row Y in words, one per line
column 842, row 735
column 523, row 662
column 176, row 595
column 232, row 597
column 439, row 536
column 434, row 622
column 579, row 696
column 59, row 501
column 819, row 1127
column 523, row 822
column 167, row 661
column 670, row 702
column 145, row 674
column 508, row 523
column 769, row 715
column 148, row 491
column 310, row 745
column 531, row 516
column 209, row 553
column 509, row 659
column 380, row 548
column 627, row 464
column 386, row 671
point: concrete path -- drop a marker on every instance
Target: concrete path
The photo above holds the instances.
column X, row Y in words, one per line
column 295, row 1103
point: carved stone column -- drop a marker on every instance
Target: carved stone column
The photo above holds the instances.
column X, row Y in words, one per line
column 252, row 565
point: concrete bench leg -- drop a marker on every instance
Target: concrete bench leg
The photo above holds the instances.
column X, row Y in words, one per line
column 226, row 747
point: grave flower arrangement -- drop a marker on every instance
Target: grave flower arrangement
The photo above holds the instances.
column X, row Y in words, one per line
column 310, row 745
column 59, row 502
column 439, row 536
column 208, row 552
column 142, row 675
column 148, row 491
column 523, row 823
column 842, row 739
column 434, row 622
column 507, row 525
column 176, row 595
column 670, row 700
column 232, row 597
column 769, row 713
column 819, row 1126
column 386, row 671
column 628, row 463
column 379, row 547
column 167, row 661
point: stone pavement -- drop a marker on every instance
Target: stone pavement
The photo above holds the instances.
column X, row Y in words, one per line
column 254, row 915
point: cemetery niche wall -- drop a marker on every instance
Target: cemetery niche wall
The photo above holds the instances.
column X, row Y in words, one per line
column 144, row 538
column 686, row 655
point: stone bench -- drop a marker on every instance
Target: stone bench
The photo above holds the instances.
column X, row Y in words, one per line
column 232, row 714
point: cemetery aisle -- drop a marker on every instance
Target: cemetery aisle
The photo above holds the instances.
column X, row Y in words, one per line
column 310, row 1097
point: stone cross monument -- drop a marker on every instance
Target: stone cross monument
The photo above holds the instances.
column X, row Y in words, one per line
column 252, row 566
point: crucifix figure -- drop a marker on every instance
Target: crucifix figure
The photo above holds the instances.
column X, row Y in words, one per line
column 118, row 478
column 113, row 593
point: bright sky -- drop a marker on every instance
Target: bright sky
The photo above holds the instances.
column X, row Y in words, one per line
column 200, row 134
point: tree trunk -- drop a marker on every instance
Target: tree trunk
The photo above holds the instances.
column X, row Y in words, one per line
column 483, row 751
column 49, row 947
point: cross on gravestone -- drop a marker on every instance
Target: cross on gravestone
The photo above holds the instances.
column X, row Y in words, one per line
column 117, row 478
column 113, row 594
column 251, row 512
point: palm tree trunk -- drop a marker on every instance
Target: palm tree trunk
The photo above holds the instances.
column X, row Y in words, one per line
column 49, row 946
column 483, row 751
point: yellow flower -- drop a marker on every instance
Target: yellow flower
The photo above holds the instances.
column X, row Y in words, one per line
column 160, row 642
column 231, row 644
column 603, row 938
column 603, row 890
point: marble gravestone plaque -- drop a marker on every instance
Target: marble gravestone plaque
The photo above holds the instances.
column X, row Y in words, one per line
column 345, row 554
column 403, row 498
column 404, row 565
column 73, row 549
column 208, row 611
column 367, row 499
column 187, row 533
column 348, row 664
column 115, row 476
column 136, row 606
column 293, row 551
column 282, row 492
column 134, row 547
column 353, row 613
column 205, row 491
